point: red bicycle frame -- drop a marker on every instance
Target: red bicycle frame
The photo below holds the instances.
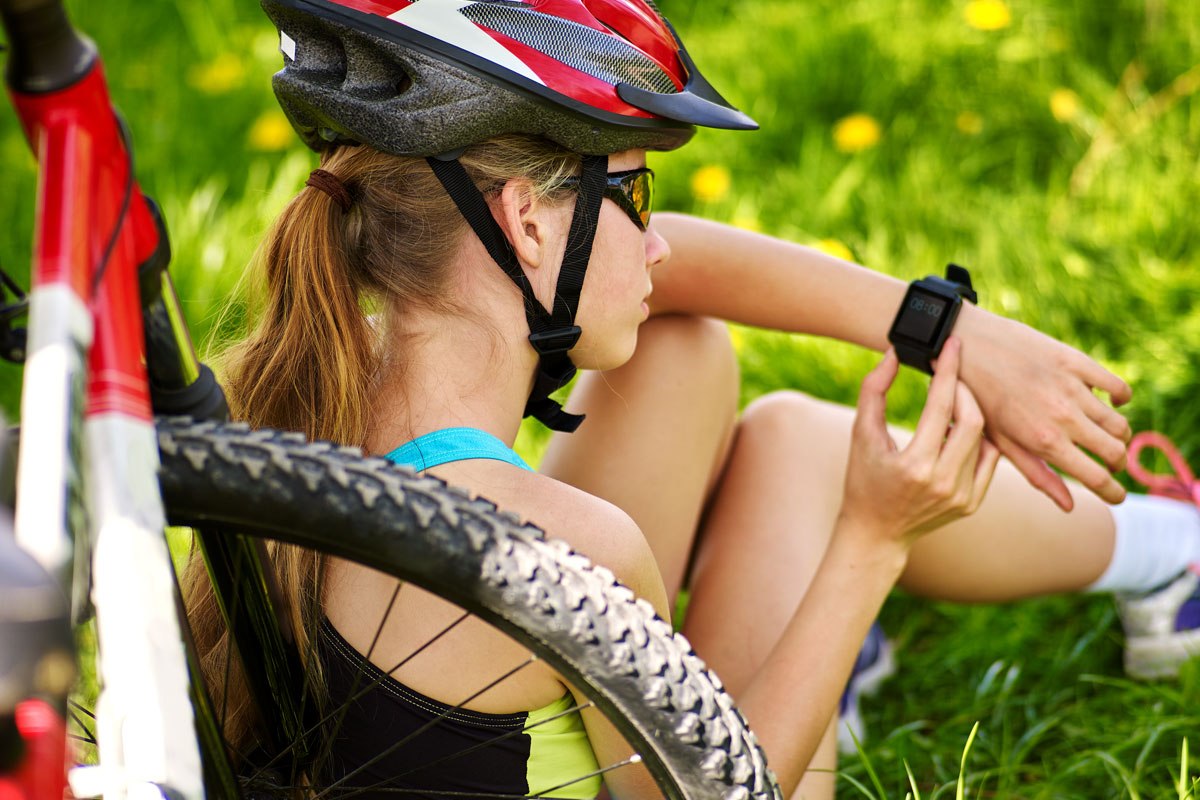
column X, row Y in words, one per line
column 88, row 456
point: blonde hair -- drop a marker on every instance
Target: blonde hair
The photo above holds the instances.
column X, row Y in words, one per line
column 312, row 358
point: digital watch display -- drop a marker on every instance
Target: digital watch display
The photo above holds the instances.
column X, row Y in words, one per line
column 927, row 316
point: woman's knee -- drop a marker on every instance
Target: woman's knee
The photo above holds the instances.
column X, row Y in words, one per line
column 687, row 347
column 785, row 413
column 798, row 423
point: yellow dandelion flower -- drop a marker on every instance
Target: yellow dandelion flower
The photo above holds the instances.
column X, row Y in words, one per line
column 1064, row 104
column 969, row 122
column 988, row 15
column 271, row 131
column 710, row 183
column 856, row 133
column 832, row 247
column 220, row 75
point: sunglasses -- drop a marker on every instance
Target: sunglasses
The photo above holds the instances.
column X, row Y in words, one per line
column 632, row 190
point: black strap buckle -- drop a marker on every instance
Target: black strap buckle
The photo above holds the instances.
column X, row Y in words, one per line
column 959, row 275
column 560, row 340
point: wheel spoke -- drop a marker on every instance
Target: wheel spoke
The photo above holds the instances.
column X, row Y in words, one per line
column 374, row 682
column 327, row 747
column 309, row 654
column 90, row 738
column 636, row 758
column 82, row 708
column 446, row 792
column 397, row 745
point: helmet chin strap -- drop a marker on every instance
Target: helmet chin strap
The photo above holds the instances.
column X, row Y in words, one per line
column 552, row 333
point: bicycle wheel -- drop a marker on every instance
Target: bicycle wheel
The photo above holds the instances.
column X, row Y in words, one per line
column 592, row 631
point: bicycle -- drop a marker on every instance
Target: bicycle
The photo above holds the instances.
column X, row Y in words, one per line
column 99, row 475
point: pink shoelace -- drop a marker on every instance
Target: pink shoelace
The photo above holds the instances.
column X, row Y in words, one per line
column 1179, row 484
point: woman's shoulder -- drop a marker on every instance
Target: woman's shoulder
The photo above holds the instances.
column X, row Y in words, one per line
column 591, row 525
column 600, row 530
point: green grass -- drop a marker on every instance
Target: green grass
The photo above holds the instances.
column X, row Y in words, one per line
column 1084, row 227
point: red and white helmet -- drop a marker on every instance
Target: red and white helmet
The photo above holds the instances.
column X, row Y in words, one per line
column 428, row 78
column 423, row 77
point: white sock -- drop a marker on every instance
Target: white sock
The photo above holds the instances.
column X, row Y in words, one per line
column 1157, row 538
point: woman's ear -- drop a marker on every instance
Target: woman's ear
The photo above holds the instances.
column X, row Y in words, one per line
column 524, row 219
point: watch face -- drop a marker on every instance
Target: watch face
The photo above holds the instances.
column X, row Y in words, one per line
column 922, row 317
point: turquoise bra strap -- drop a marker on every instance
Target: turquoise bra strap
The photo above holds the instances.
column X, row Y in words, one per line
column 453, row 444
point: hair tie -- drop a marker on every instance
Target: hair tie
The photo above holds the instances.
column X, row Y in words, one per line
column 331, row 185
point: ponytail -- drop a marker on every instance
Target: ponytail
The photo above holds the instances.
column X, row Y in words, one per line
column 309, row 364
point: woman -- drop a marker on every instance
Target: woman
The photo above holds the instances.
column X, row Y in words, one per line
column 451, row 135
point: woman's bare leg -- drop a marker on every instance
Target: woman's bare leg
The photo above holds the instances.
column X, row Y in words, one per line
column 1018, row 544
column 657, row 443
column 764, row 537
column 772, row 514
column 656, row 434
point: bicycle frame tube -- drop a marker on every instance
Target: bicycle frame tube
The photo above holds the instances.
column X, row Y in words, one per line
column 93, row 217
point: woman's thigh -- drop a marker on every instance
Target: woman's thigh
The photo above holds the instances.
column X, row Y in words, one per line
column 657, row 433
column 766, row 532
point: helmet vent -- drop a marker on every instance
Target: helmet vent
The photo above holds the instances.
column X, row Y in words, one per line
column 371, row 74
column 588, row 50
column 322, row 59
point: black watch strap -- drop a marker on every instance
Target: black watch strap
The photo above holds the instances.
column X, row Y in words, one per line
column 914, row 357
column 962, row 281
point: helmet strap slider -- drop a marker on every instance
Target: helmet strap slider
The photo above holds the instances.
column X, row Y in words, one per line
column 555, row 341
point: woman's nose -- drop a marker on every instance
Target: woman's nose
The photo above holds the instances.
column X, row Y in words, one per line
column 657, row 249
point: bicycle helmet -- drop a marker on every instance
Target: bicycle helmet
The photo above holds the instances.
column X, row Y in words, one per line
column 428, row 78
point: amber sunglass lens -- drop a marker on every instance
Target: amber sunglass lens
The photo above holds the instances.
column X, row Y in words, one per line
column 641, row 192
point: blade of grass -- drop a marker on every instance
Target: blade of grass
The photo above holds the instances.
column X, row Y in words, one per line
column 862, row 755
column 962, row 771
column 1121, row 770
column 857, row 784
column 916, row 793
column 1184, row 792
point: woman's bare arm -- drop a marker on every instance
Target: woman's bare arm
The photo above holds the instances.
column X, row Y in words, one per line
column 1036, row 392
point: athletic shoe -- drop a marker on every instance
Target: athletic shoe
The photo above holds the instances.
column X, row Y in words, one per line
column 875, row 664
column 1162, row 627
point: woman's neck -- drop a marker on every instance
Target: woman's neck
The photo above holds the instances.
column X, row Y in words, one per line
column 456, row 372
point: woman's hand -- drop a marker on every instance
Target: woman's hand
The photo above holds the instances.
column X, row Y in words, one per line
column 940, row 476
column 1037, row 396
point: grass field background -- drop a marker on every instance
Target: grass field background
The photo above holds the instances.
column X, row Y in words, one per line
column 1053, row 146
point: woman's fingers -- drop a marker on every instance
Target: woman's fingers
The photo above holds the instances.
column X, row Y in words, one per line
column 939, row 404
column 962, row 443
column 1095, row 439
column 985, row 468
column 1108, row 419
column 1076, row 463
column 1097, row 376
column 966, row 454
column 871, row 418
column 1035, row 470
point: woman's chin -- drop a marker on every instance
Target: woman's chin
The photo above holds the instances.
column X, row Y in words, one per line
column 612, row 356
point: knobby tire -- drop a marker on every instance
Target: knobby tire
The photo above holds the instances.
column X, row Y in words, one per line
column 646, row 679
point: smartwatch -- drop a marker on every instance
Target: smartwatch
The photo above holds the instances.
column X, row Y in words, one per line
column 927, row 316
